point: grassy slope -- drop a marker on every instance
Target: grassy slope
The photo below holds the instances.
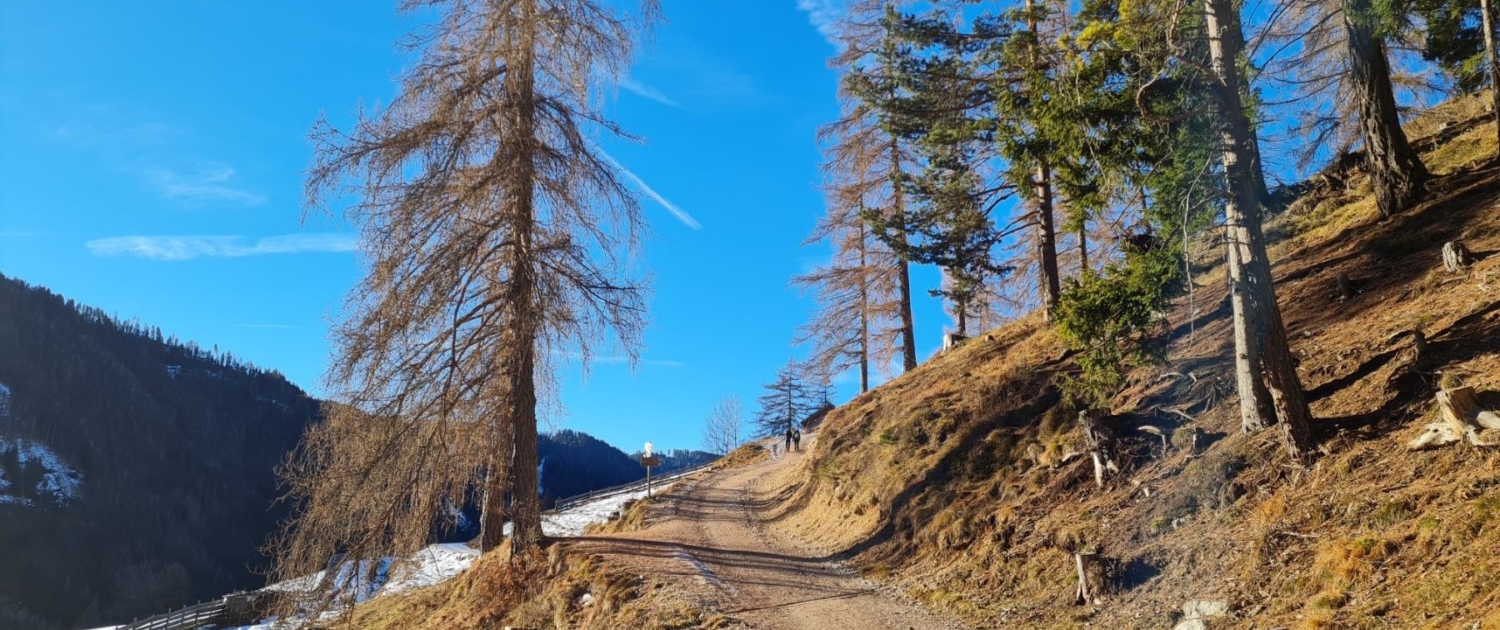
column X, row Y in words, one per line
column 947, row 481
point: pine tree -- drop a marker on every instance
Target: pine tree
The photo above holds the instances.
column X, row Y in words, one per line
column 1136, row 144
column 496, row 235
column 1030, row 131
column 949, row 221
column 1459, row 37
column 792, row 397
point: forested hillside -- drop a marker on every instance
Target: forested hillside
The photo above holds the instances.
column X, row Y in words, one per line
column 970, row 483
column 172, row 448
column 573, row 463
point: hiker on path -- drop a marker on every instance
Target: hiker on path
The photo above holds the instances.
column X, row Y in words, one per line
column 797, row 439
column 788, row 439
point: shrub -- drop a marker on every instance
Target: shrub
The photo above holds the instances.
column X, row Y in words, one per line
column 1113, row 319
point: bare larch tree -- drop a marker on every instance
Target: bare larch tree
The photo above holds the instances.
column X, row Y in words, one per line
column 865, row 159
column 495, row 237
column 1261, row 349
column 856, row 320
column 721, row 430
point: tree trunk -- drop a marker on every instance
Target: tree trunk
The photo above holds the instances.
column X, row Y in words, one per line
column 962, row 306
column 1396, row 171
column 520, row 364
column 908, row 325
column 1251, row 268
column 1493, row 58
column 1256, row 411
column 1083, row 246
column 864, row 312
column 496, row 485
column 1459, row 418
column 1046, row 240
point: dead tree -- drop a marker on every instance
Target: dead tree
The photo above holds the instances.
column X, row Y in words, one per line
column 1090, row 580
column 863, row 158
column 1459, row 418
column 1100, row 441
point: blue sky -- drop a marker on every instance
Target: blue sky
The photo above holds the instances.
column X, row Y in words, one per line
column 151, row 161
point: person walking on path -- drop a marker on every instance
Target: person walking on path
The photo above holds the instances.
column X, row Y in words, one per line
column 797, row 439
column 789, row 439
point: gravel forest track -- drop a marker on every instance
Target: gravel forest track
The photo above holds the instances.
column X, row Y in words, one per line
column 707, row 539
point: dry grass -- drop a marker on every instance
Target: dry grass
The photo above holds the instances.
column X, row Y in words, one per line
column 635, row 514
column 745, row 455
column 556, row 590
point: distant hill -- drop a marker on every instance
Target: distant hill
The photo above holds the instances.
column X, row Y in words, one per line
column 676, row 459
column 136, row 471
column 573, row 463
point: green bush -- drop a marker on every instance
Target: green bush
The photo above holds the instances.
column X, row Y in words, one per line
column 1114, row 319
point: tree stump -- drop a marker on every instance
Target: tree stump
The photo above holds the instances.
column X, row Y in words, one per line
column 1456, row 257
column 1086, row 592
column 1346, row 290
column 1097, row 576
column 1459, row 418
column 1100, row 441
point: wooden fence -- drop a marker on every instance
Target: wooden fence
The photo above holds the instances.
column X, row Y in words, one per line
column 238, row 609
column 634, row 486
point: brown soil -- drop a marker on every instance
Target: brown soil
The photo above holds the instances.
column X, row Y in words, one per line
column 709, row 539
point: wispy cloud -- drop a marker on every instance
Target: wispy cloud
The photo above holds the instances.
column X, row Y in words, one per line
column 824, row 15
column 682, row 215
column 647, row 92
column 190, row 247
column 212, row 184
column 617, row 359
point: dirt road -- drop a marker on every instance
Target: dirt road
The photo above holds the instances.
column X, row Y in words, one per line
column 712, row 545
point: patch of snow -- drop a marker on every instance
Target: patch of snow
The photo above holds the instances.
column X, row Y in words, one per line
column 174, row 370
column 572, row 521
column 4, row 400
column 436, row 563
column 273, row 402
column 59, row 482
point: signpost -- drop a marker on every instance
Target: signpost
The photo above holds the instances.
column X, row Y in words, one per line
column 648, row 461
